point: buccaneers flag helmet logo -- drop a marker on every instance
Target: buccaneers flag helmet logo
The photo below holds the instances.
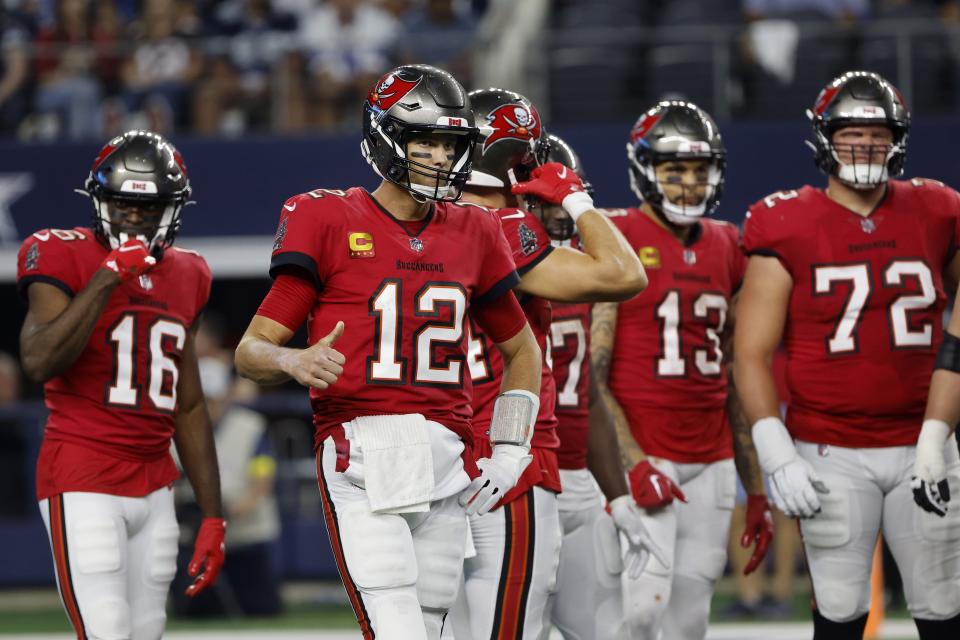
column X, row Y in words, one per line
column 389, row 90
column 512, row 121
column 646, row 122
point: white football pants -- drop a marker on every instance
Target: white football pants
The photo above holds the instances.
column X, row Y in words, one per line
column 869, row 493
column 114, row 558
column 587, row 603
column 508, row 581
column 400, row 571
column 675, row 601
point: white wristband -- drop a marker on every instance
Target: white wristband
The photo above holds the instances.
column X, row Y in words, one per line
column 774, row 445
column 577, row 203
column 933, row 435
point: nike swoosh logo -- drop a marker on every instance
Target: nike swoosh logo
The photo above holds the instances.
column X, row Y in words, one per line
column 289, row 207
column 519, row 214
column 563, row 173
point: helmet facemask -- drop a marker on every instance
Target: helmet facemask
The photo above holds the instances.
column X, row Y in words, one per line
column 860, row 166
column 647, row 185
column 391, row 159
column 158, row 231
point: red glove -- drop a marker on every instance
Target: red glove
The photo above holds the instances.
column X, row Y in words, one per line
column 551, row 182
column 209, row 550
column 651, row 489
column 759, row 528
column 129, row 260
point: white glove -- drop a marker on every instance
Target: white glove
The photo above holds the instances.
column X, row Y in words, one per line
column 930, row 488
column 626, row 516
column 498, row 474
column 794, row 483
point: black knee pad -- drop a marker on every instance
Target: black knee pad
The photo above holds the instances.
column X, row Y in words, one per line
column 938, row 629
column 824, row 629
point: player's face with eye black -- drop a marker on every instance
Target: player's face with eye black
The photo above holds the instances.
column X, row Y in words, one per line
column 684, row 182
column 435, row 150
column 867, row 144
column 135, row 217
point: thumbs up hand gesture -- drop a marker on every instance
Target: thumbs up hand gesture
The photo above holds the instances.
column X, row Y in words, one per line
column 319, row 365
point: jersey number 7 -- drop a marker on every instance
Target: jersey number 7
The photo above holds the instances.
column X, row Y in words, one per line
column 905, row 335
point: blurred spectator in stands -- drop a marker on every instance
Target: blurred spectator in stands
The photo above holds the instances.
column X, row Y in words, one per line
column 247, row 471
column 440, row 33
column 68, row 90
column 348, row 44
column 157, row 75
column 236, row 90
column 14, row 71
column 843, row 10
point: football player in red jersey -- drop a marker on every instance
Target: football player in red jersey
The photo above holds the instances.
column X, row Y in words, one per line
column 508, row 582
column 851, row 279
column 385, row 281
column 587, row 599
column 660, row 367
column 110, row 328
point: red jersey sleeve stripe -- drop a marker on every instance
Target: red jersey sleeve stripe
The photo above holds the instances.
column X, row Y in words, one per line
column 297, row 260
column 26, row 281
column 536, row 260
column 505, row 284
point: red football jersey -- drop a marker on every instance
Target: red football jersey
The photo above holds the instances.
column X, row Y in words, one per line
column 403, row 291
column 667, row 370
column 120, row 396
column 570, row 363
column 865, row 314
column 530, row 244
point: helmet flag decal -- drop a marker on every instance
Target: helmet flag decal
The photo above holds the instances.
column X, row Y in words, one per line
column 511, row 120
column 390, row 90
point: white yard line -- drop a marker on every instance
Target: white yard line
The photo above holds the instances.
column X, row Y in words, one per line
column 892, row 630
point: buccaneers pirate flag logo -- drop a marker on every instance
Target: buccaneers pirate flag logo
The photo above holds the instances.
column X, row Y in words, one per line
column 511, row 121
column 389, row 91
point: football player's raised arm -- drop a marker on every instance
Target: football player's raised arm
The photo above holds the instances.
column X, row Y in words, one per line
column 606, row 269
column 603, row 331
column 761, row 314
column 57, row 327
column 603, row 452
column 194, row 433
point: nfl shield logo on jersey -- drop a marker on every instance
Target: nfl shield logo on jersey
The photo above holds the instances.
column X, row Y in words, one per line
column 416, row 244
column 146, row 283
column 868, row 225
column 690, row 256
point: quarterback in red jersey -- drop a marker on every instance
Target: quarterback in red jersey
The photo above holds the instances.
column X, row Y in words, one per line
column 661, row 369
column 388, row 278
column 112, row 315
column 851, row 279
column 508, row 582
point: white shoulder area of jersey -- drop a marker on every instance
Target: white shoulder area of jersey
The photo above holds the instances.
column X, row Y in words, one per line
column 615, row 213
column 774, row 199
column 63, row 235
column 512, row 214
column 314, row 197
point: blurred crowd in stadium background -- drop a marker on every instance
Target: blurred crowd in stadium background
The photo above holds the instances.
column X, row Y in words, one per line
column 91, row 68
